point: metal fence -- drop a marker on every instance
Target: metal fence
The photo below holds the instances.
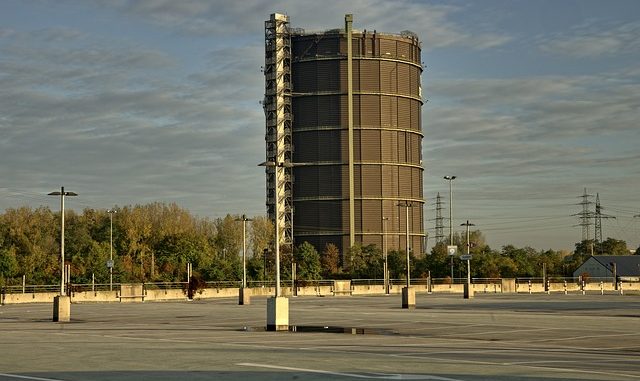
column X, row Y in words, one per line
column 31, row 288
column 81, row 287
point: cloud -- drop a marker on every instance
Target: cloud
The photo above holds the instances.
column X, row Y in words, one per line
column 166, row 109
column 592, row 40
column 125, row 124
column 523, row 146
column 536, row 107
column 6, row 32
column 433, row 23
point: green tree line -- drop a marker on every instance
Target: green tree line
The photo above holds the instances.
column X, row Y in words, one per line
column 155, row 242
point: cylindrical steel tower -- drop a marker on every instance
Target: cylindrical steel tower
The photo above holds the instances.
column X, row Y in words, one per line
column 387, row 169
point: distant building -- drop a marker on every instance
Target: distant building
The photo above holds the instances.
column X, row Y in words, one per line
column 627, row 267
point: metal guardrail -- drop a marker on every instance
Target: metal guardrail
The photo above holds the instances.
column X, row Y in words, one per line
column 83, row 287
column 224, row 284
column 75, row 287
column 165, row 285
column 30, row 289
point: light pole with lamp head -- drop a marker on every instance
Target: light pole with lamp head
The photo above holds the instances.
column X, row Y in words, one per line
column 384, row 249
column 111, row 212
column 450, row 179
column 277, row 306
column 408, row 293
column 637, row 216
column 62, row 303
column 244, row 294
column 468, row 292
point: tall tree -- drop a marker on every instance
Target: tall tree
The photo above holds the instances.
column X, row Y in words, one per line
column 262, row 234
column 612, row 246
column 307, row 262
column 330, row 260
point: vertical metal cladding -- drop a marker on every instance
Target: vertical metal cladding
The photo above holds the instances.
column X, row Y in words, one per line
column 387, row 138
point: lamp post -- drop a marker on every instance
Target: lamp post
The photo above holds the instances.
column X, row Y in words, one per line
column 277, row 306
column 111, row 212
column 62, row 193
column 244, row 293
column 637, row 216
column 62, row 303
column 408, row 293
column 384, row 249
column 468, row 292
column 450, row 179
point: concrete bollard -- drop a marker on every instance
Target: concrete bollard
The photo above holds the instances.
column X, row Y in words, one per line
column 278, row 314
column 529, row 287
column 565, row 287
column 244, row 296
column 468, row 291
column 620, row 288
column 61, row 308
column 601, row 288
column 408, row 297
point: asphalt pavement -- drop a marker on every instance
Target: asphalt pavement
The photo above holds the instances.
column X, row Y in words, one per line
column 490, row 337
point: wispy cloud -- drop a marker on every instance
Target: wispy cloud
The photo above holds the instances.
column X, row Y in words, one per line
column 113, row 118
column 160, row 102
column 592, row 39
column 524, row 141
column 432, row 22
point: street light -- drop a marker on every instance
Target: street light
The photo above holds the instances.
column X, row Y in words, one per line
column 384, row 249
column 408, row 294
column 244, row 295
column 62, row 193
column 407, row 205
column 450, row 179
column 278, row 306
column 468, row 293
column 277, row 240
column 111, row 212
column 637, row 216
column 62, row 303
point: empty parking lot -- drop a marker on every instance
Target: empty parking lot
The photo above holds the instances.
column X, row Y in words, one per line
column 491, row 337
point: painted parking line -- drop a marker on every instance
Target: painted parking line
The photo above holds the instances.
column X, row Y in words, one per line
column 21, row 377
column 368, row 376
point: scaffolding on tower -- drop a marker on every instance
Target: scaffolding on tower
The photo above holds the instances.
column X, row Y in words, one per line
column 277, row 109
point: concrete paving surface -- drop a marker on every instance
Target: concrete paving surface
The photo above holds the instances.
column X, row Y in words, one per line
column 490, row 337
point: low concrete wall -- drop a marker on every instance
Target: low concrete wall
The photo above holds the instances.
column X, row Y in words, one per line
column 342, row 288
column 95, row 297
column 315, row 291
column 508, row 285
column 489, row 288
column 39, row 297
column 447, row 288
column 135, row 292
column 159, row 295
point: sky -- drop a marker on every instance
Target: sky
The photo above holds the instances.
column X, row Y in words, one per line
column 130, row 102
